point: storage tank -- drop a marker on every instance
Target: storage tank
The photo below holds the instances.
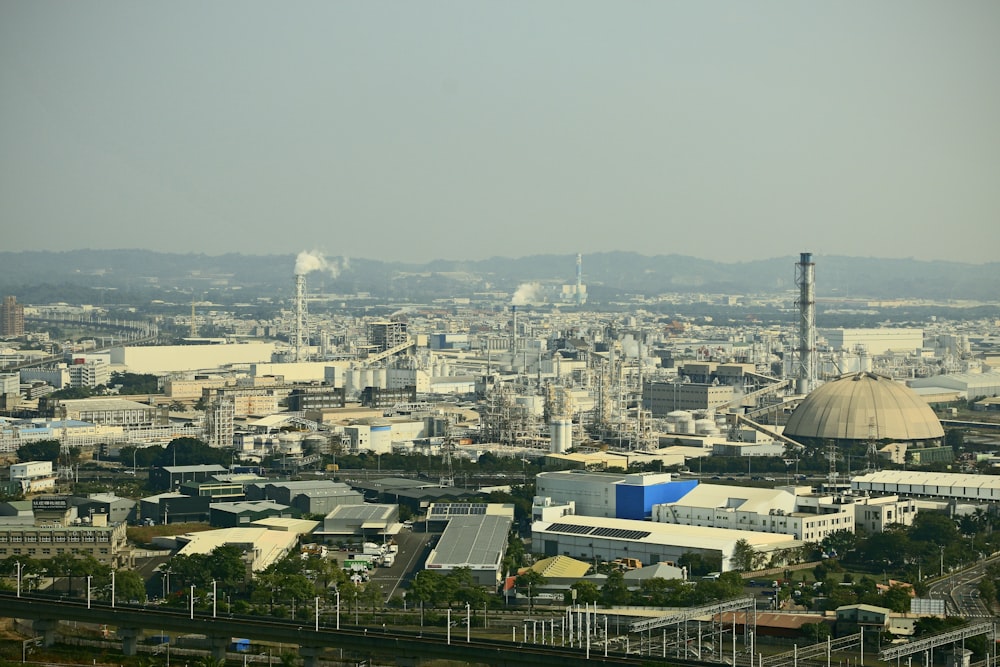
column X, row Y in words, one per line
column 677, row 415
column 685, row 424
column 704, row 426
column 316, row 442
column 367, row 378
column 353, row 380
column 381, row 378
column 562, row 436
column 290, row 443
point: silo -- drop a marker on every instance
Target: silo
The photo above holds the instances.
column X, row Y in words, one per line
column 562, row 436
column 354, row 380
column 317, row 442
column 704, row 426
column 367, row 378
column 685, row 424
column 381, row 378
column 290, row 443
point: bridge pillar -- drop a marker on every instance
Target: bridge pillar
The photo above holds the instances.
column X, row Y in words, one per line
column 46, row 627
column 219, row 646
column 309, row 655
column 130, row 640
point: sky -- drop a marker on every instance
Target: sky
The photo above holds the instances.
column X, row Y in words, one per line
column 413, row 131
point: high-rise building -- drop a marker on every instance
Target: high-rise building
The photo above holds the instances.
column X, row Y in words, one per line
column 11, row 317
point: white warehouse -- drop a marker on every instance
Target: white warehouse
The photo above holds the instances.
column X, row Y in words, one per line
column 596, row 539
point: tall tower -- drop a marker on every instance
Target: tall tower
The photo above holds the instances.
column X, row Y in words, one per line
column 805, row 276
column 579, row 279
column 300, row 315
column 513, row 331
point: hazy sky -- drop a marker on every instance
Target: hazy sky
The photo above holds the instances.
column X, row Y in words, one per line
column 416, row 130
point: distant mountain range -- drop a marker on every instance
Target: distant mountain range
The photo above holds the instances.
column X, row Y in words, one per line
column 81, row 276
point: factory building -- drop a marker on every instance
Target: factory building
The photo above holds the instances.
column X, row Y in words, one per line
column 369, row 521
column 806, row 517
column 105, row 411
column 32, row 476
column 662, row 398
column 57, row 376
column 262, row 545
column 874, row 341
column 171, row 477
column 384, row 336
column 242, row 513
column 310, row 496
column 474, row 541
column 321, row 397
column 625, row 496
column 950, row 486
column 969, row 386
column 598, row 540
column 57, row 528
column 175, row 358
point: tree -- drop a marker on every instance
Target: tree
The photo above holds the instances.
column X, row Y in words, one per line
column 129, row 585
column 934, row 528
column 954, row 438
column 530, row 580
column 614, row 591
column 192, row 451
column 745, row 558
column 586, row 592
column 839, row 542
column 43, row 450
column 425, row 587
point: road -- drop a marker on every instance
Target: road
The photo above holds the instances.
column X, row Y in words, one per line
column 960, row 590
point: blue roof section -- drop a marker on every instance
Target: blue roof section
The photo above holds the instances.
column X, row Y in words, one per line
column 636, row 502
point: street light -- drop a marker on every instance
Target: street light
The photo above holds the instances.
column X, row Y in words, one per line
column 468, row 622
column 338, row 607
column 89, row 577
column 191, row 597
column 213, row 598
column 18, row 563
column 112, row 589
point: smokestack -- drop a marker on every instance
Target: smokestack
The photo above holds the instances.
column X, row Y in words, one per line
column 300, row 315
column 513, row 331
column 579, row 279
column 805, row 276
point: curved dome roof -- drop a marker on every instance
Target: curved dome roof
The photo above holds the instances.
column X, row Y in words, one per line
column 842, row 409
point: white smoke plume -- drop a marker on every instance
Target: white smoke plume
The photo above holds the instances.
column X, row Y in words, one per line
column 309, row 261
column 527, row 293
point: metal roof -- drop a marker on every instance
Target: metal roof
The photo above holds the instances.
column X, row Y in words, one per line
column 859, row 406
column 471, row 541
